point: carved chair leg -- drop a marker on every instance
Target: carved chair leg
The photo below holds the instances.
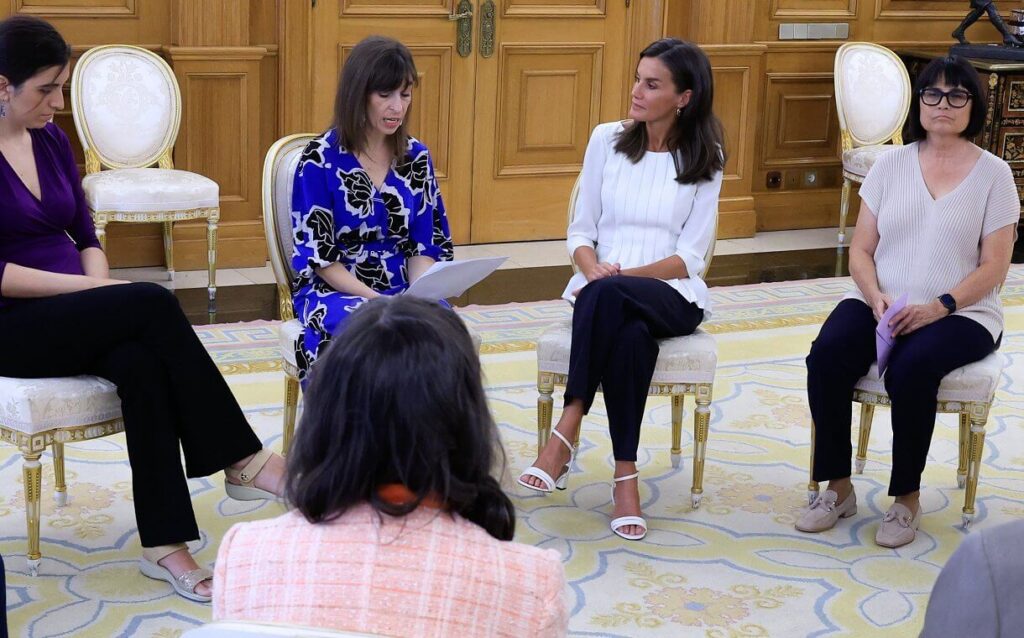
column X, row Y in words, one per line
column 965, row 446
column 291, row 402
column 545, row 388
column 211, row 257
column 60, row 486
column 32, row 471
column 867, row 412
column 168, row 233
column 979, row 415
column 812, row 485
column 701, row 422
column 844, row 209
column 677, row 429
column 100, row 226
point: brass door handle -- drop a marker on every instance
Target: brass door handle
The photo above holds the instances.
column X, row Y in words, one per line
column 464, row 28
column 487, row 13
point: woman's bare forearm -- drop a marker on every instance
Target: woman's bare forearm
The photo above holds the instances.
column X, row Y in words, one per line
column 671, row 267
column 94, row 263
column 26, row 283
column 345, row 282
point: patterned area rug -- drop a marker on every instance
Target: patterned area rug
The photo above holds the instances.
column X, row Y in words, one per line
column 734, row 567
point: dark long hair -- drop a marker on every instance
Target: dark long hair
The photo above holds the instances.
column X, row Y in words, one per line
column 375, row 64
column 956, row 71
column 696, row 140
column 27, row 46
column 398, row 398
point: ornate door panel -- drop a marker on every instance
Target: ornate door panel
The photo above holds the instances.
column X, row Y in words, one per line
column 551, row 72
column 442, row 105
column 506, row 101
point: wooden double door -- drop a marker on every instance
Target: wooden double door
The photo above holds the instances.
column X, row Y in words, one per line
column 508, row 93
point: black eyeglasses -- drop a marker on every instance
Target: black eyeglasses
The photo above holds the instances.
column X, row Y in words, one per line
column 956, row 98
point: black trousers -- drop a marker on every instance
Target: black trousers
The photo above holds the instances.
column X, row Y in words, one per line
column 615, row 326
column 171, row 392
column 843, row 353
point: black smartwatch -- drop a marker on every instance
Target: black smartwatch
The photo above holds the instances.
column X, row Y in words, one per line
column 948, row 302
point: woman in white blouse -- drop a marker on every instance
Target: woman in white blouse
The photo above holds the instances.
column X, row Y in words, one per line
column 644, row 221
column 937, row 224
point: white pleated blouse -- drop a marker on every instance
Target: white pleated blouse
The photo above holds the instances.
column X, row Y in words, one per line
column 637, row 214
column 927, row 246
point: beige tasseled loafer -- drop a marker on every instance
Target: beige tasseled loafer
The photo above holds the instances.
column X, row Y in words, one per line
column 824, row 512
column 899, row 526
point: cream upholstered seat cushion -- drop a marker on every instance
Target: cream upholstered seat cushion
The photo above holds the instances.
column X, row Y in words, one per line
column 145, row 190
column 289, row 332
column 690, row 359
column 860, row 160
column 37, row 405
column 974, row 382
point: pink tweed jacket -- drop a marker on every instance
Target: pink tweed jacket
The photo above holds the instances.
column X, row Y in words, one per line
column 426, row 574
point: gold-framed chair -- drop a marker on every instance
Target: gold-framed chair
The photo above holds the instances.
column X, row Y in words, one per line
column 685, row 366
column 873, row 94
column 127, row 109
column 279, row 168
column 40, row 413
column 967, row 391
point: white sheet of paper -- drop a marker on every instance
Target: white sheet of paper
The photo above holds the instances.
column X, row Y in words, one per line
column 447, row 279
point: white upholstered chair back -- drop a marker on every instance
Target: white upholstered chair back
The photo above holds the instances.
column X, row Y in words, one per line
column 278, row 181
column 873, row 93
column 127, row 107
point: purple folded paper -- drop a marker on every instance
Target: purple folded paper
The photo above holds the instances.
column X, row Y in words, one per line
column 884, row 340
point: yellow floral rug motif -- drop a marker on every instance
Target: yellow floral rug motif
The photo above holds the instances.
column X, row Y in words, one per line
column 735, row 567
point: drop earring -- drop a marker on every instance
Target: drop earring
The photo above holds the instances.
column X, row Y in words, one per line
column 679, row 111
column 3, row 109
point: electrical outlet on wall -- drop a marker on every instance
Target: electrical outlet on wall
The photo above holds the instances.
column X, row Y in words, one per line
column 774, row 179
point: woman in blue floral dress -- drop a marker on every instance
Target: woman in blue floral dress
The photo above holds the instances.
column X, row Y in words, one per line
column 367, row 214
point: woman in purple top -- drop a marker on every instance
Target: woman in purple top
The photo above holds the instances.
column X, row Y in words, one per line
column 61, row 314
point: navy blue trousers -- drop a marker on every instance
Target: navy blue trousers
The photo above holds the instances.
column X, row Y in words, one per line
column 843, row 353
column 616, row 323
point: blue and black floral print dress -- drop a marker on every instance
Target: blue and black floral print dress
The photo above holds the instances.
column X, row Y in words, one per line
column 338, row 215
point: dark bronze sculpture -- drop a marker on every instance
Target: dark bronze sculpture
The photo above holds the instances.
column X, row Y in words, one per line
column 978, row 8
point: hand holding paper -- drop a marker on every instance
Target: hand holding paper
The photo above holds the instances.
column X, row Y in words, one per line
column 884, row 339
column 446, row 279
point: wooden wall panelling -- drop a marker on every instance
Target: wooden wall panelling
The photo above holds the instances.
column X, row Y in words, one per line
column 211, row 23
column 799, row 133
column 819, row 9
column 924, row 21
column 220, row 138
column 295, row 54
column 722, row 21
column 737, row 73
column 645, row 23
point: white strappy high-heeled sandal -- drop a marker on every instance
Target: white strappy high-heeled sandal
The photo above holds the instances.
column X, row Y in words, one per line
column 624, row 521
column 548, row 483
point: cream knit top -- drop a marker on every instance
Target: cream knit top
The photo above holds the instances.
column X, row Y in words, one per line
column 637, row 214
column 927, row 246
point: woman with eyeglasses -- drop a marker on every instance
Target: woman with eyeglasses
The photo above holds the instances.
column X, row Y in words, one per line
column 937, row 223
